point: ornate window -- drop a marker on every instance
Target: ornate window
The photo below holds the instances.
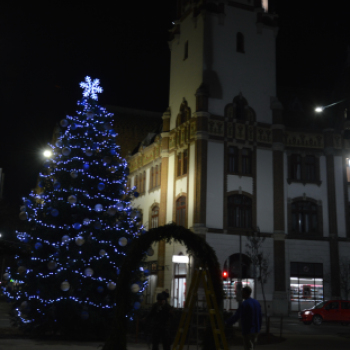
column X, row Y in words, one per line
column 155, row 217
column 182, row 163
column 240, row 110
column 181, row 211
column 246, row 161
column 304, row 217
column 233, row 160
column 239, row 211
column 304, row 168
column 240, row 161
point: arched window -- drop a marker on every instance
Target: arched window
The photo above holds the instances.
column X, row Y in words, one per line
column 155, row 217
column 304, row 217
column 181, row 211
column 240, row 42
column 239, row 211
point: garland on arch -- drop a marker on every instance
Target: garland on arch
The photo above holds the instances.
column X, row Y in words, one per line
column 195, row 243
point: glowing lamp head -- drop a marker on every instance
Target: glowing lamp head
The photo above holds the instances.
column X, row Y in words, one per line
column 319, row 109
column 47, row 153
column 224, row 274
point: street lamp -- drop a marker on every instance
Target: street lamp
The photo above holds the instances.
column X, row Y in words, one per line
column 320, row 109
column 47, row 153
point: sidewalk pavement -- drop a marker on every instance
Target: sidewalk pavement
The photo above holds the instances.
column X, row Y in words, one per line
column 292, row 342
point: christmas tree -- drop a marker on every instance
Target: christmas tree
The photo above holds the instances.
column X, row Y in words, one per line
column 78, row 225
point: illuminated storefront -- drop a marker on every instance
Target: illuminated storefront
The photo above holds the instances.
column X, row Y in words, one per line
column 306, row 285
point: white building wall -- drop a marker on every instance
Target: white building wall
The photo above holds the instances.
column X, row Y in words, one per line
column 191, row 183
column 228, row 72
column 181, row 186
column 235, row 183
column 264, row 190
column 339, row 195
column 215, row 185
column 311, row 252
column 186, row 74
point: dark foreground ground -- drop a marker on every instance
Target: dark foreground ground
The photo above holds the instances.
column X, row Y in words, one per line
column 286, row 334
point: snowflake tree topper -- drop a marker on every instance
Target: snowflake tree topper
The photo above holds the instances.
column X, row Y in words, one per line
column 91, row 88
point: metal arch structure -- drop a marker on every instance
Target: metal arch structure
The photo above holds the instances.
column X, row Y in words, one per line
column 195, row 243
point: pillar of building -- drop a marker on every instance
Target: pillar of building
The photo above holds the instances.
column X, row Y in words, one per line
column 280, row 301
column 163, row 197
column 332, row 214
column 201, row 160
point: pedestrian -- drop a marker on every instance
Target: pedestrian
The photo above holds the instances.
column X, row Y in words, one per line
column 249, row 313
column 160, row 316
column 166, row 295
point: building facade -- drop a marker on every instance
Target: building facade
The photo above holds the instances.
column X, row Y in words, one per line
column 227, row 167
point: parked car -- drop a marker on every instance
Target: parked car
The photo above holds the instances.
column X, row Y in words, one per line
column 330, row 310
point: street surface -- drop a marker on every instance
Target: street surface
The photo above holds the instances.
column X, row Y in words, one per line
column 294, row 333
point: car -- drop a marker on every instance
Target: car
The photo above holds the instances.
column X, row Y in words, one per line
column 330, row 310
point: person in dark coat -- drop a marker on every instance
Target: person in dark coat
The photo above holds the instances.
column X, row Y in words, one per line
column 160, row 316
column 249, row 313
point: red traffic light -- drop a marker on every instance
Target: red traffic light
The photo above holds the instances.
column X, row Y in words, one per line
column 224, row 274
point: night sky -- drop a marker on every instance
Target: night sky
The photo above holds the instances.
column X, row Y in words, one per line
column 45, row 52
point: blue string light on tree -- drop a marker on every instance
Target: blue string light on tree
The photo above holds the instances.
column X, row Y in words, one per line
column 79, row 225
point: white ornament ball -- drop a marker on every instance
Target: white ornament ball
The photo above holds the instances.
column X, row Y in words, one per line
column 135, row 288
column 23, row 216
column 86, row 222
column 6, row 276
column 65, row 239
column 51, row 265
column 65, row 286
column 22, row 269
column 123, row 241
column 98, row 207
column 72, row 199
column 22, row 208
column 66, row 151
column 74, row 174
column 79, row 241
column 102, row 252
column 120, row 206
column 111, row 285
column 112, row 169
column 89, row 272
column 88, row 152
column 112, row 211
column 150, row 251
column 24, row 305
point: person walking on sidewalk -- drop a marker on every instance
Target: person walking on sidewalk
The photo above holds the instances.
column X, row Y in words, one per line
column 249, row 313
column 160, row 315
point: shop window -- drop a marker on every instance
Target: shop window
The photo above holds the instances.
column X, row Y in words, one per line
column 181, row 211
column 306, row 285
column 239, row 211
